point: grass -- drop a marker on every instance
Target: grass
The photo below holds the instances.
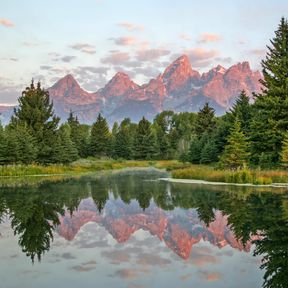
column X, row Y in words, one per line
column 208, row 173
column 83, row 166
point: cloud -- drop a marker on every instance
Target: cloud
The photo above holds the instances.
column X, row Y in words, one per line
column 205, row 38
column 14, row 59
column 215, row 276
column 84, row 47
column 130, row 26
column 67, row 58
column 116, row 58
column 116, row 256
column 45, row 67
column 151, row 54
column 226, row 60
column 85, row 267
column 124, row 41
column 149, row 72
column 129, row 274
column 6, row 22
column 258, row 52
column 185, row 37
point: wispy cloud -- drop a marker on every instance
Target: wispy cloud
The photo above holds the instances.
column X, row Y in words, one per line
column 130, row 26
column 207, row 37
column 151, row 54
column 124, row 41
column 185, row 37
column 84, row 47
column 6, row 22
column 116, row 58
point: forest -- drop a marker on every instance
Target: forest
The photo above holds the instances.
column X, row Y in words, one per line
column 253, row 133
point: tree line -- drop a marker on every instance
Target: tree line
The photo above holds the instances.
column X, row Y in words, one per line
column 248, row 134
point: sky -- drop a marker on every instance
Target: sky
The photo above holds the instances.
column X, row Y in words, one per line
column 94, row 39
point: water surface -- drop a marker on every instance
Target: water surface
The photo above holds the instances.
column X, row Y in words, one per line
column 127, row 229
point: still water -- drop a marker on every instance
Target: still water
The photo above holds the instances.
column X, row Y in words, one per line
column 129, row 229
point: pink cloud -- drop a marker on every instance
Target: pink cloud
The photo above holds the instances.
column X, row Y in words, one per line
column 130, row 26
column 125, row 41
column 215, row 276
column 116, row 58
column 84, row 47
column 6, row 22
column 204, row 38
column 151, row 54
column 185, row 37
column 258, row 52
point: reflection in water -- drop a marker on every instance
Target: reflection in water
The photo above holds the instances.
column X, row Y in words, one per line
column 179, row 215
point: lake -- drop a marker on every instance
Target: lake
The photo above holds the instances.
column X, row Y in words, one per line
column 130, row 229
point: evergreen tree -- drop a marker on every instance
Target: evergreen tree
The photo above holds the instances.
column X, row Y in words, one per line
column 236, row 153
column 209, row 152
column 205, row 121
column 145, row 141
column 100, row 143
column 124, row 140
column 36, row 113
column 284, row 152
column 66, row 149
column 194, row 155
column 242, row 110
column 270, row 120
column 3, row 146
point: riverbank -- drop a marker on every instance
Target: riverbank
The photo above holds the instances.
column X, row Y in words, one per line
column 84, row 166
column 244, row 176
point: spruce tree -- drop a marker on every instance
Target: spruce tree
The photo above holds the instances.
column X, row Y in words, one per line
column 3, row 146
column 209, row 152
column 100, row 142
column 145, row 143
column 270, row 111
column 236, row 152
column 284, row 152
column 123, row 140
column 66, row 149
column 35, row 112
column 242, row 110
column 205, row 121
column 194, row 154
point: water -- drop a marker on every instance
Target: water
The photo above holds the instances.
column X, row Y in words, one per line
column 127, row 229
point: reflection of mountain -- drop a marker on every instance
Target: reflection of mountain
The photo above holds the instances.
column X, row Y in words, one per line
column 180, row 229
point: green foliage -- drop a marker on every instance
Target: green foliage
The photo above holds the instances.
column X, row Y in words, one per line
column 145, row 145
column 284, row 152
column 236, row 153
column 3, row 146
column 209, row 153
column 205, row 121
column 270, row 111
column 36, row 113
column 100, row 142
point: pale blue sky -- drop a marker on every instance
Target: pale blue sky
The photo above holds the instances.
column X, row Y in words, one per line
column 92, row 39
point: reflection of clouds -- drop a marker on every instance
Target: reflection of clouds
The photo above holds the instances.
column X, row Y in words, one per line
column 208, row 276
column 136, row 286
column 186, row 277
column 85, row 267
column 147, row 259
column 129, row 274
column 116, row 256
column 199, row 259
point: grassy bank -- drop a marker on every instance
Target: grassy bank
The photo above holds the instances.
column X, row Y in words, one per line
column 83, row 166
column 208, row 173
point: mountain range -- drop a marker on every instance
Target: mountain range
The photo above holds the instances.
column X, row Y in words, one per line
column 179, row 88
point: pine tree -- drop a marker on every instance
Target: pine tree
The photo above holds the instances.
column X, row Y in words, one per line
column 270, row 120
column 100, row 143
column 284, row 152
column 66, row 149
column 194, row 155
column 209, row 152
column 3, row 146
column 123, row 140
column 36, row 113
column 145, row 145
column 236, row 153
column 205, row 121
column 242, row 110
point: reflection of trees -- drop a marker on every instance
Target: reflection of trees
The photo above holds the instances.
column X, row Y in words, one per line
column 35, row 211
